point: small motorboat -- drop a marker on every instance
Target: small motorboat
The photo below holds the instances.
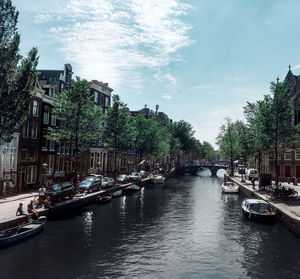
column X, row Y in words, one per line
column 104, row 198
column 132, row 189
column 258, row 210
column 157, row 179
column 230, row 187
column 117, row 193
column 14, row 235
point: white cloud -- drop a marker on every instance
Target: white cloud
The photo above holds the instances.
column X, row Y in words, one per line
column 295, row 67
column 113, row 40
column 168, row 97
column 202, row 86
column 169, row 78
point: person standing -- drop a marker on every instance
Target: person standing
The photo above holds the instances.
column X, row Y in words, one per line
column 42, row 194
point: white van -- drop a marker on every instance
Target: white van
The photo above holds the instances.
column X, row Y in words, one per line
column 251, row 173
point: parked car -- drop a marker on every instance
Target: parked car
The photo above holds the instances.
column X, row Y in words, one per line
column 58, row 192
column 107, row 182
column 135, row 177
column 90, row 184
column 241, row 170
column 122, row 178
column 251, row 173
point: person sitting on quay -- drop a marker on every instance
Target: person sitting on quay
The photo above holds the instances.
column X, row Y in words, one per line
column 20, row 210
column 31, row 211
column 48, row 203
column 42, row 194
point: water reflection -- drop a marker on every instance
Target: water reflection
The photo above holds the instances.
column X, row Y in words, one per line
column 185, row 228
column 88, row 226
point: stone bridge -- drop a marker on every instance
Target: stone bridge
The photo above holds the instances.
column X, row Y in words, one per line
column 194, row 169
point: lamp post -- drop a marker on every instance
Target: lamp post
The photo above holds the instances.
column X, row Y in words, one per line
column 44, row 169
column 98, row 166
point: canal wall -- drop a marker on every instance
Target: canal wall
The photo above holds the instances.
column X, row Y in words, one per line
column 70, row 205
column 283, row 214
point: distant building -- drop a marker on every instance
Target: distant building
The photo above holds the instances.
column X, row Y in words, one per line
column 97, row 160
column 9, row 159
column 29, row 144
column 58, row 158
column 159, row 116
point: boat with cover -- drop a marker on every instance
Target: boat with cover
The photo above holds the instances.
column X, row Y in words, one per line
column 117, row 194
column 132, row 189
column 230, row 187
column 258, row 210
column 14, row 235
column 104, row 198
column 157, row 179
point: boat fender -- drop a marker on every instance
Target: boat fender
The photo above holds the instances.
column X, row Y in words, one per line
column 42, row 218
column 249, row 215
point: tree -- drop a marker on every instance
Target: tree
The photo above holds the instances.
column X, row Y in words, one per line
column 276, row 122
column 118, row 130
column 208, row 151
column 228, row 141
column 79, row 119
column 17, row 75
column 183, row 132
column 151, row 137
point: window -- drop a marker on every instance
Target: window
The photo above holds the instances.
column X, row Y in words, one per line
column 51, row 164
column 92, row 160
column 288, row 155
column 31, row 174
column 34, row 130
column 96, row 97
column 25, row 131
column 53, row 120
column 46, row 115
column 297, row 154
column 297, row 111
column 51, row 145
column 35, row 108
column 9, row 155
column 52, row 92
column 44, row 140
column 28, row 156
column 107, row 101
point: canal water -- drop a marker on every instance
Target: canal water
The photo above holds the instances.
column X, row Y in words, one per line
column 185, row 229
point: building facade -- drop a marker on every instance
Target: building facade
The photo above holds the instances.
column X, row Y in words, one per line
column 289, row 162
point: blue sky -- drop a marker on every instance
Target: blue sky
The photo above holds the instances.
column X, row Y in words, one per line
column 199, row 60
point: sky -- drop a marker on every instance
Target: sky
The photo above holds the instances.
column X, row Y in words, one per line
column 199, row 60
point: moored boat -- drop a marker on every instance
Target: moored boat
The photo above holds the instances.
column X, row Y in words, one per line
column 14, row 235
column 104, row 198
column 258, row 210
column 157, row 179
column 230, row 187
column 132, row 189
column 117, row 194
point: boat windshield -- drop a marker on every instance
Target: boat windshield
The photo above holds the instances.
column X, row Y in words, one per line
column 260, row 207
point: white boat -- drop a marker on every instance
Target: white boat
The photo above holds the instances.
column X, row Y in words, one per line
column 258, row 210
column 230, row 187
column 157, row 179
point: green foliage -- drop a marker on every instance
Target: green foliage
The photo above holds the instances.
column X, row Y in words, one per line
column 151, row 137
column 228, row 140
column 184, row 132
column 78, row 117
column 208, row 151
column 118, row 132
column 17, row 75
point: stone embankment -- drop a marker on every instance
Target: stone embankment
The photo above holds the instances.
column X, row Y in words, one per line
column 287, row 212
column 9, row 205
